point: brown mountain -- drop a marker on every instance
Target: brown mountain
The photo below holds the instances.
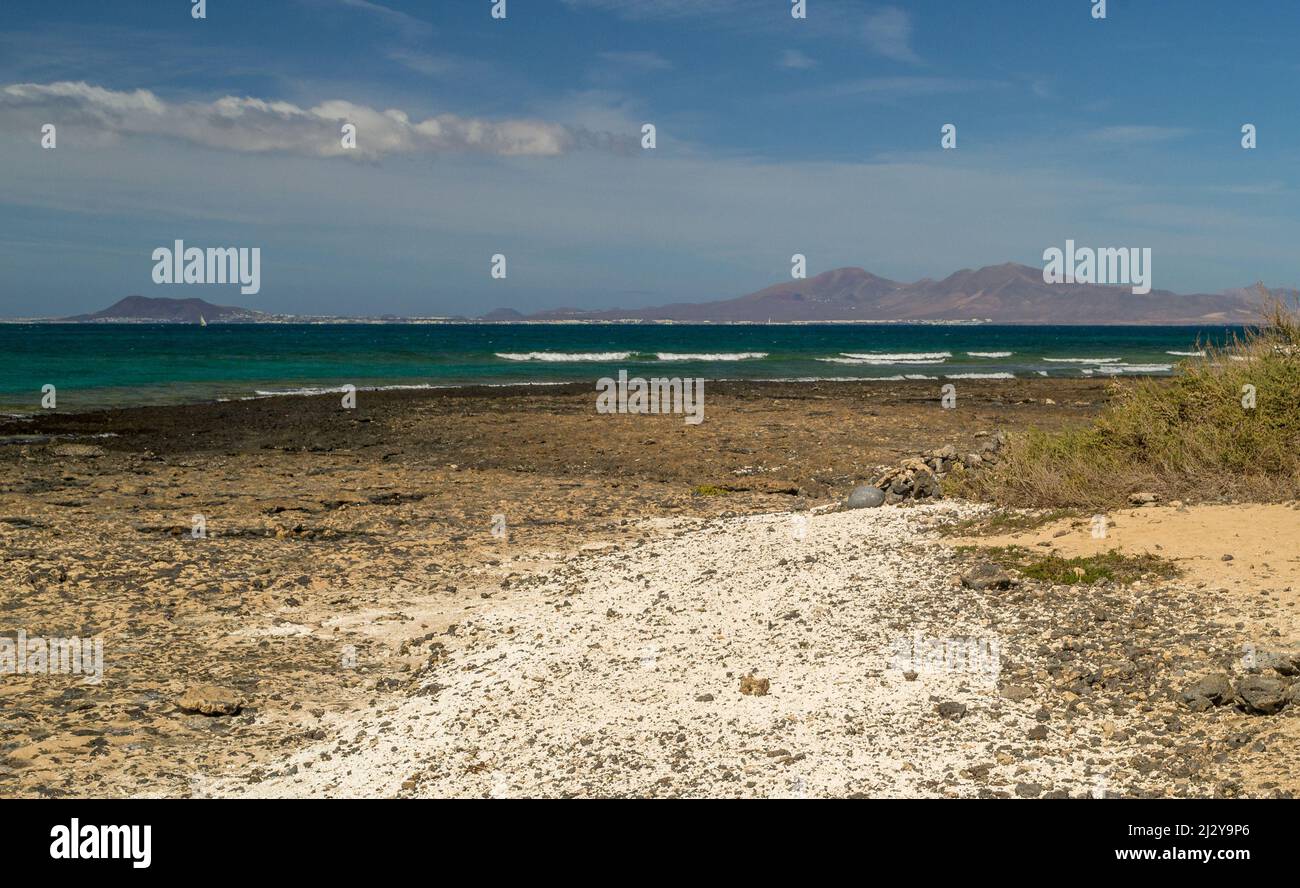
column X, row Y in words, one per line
column 142, row 309
column 1002, row 294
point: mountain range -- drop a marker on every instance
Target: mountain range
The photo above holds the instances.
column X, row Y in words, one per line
column 999, row 294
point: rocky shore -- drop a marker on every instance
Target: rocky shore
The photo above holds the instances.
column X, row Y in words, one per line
column 501, row 593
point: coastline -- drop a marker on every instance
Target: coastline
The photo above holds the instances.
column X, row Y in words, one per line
column 366, row 537
column 175, row 364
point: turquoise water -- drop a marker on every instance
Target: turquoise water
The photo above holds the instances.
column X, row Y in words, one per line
column 107, row 365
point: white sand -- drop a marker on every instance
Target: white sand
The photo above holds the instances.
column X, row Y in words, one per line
column 587, row 683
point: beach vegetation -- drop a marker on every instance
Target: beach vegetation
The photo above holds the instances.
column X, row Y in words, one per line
column 1005, row 521
column 1051, row 567
column 1224, row 427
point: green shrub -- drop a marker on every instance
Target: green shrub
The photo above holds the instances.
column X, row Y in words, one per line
column 1187, row 437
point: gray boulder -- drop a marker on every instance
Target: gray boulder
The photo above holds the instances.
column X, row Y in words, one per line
column 1262, row 696
column 1284, row 662
column 1215, row 689
column 865, row 497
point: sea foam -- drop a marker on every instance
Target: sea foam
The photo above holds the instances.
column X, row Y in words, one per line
column 721, row 356
column 564, row 357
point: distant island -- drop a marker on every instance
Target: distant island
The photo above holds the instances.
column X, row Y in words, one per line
column 146, row 309
column 996, row 294
column 165, row 310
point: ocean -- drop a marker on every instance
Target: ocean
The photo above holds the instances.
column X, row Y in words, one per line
column 94, row 366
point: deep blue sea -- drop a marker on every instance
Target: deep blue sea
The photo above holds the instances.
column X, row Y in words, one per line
column 119, row 364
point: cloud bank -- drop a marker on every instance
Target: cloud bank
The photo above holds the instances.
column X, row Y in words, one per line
column 252, row 125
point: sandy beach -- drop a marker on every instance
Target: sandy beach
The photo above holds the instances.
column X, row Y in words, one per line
column 499, row 592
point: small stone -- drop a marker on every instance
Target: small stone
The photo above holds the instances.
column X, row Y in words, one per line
column 1029, row 790
column 909, row 675
column 1037, row 732
column 986, row 575
column 1016, row 693
column 752, row 686
column 952, row 710
column 1141, row 499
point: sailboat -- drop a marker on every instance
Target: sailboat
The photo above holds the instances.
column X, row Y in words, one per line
column 203, row 322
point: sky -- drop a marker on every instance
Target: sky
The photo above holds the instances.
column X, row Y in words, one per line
column 522, row 136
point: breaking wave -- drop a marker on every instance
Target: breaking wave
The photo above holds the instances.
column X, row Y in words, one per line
column 721, row 356
column 564, row 357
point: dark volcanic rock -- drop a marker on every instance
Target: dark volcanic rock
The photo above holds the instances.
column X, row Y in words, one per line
column 986, row 575
column 952, row 710
column 1216, row 689
column 1260, row 695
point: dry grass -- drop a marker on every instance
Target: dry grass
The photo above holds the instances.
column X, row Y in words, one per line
column 1085, row 570
column 1001, row 522
column 1187, row 437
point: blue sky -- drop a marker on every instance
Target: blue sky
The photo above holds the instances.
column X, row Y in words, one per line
column 775, row 136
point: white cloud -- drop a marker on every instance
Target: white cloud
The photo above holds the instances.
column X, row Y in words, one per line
column 422, row 62
column 888, row 32
column 255, row 125
column 408, row 24
column 888, row 88
column 794, row 59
